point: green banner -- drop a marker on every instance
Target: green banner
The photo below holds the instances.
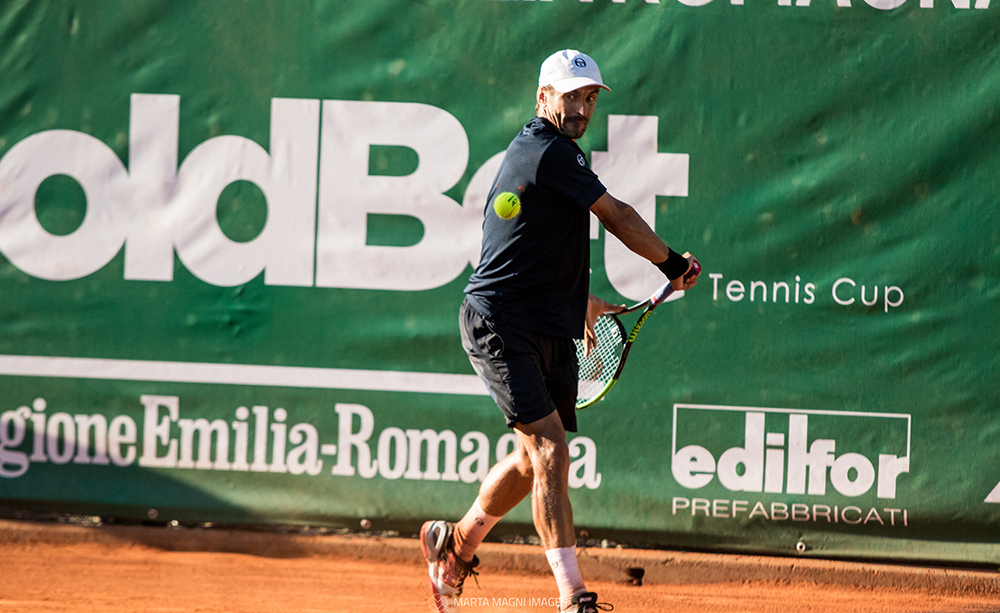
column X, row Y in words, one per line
column 234, row 237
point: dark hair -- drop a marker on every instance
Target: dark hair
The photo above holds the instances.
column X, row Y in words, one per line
column 549, row 90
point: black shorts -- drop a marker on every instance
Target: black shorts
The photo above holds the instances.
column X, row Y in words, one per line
column 528, row 374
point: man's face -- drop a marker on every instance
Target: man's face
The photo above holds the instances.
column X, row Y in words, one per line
column 570, row 112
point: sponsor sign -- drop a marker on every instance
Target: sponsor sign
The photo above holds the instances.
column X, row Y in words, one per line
column 790, row 452
column 233, row 247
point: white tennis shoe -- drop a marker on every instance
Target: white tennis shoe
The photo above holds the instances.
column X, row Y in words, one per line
column 447, row 571
column 587, row 603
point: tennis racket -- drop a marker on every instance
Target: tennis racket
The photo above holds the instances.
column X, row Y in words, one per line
column 600, row 370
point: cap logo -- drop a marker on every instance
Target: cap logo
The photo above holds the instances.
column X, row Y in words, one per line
column 580, row 62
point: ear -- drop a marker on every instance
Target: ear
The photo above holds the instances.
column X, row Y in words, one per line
column 541, row 96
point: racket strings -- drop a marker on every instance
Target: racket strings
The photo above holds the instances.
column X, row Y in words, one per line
column 598, row 369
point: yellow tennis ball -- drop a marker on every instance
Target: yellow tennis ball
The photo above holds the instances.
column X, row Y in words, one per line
column 507, row 205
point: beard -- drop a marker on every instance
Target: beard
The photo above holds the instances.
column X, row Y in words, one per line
column 575, row 127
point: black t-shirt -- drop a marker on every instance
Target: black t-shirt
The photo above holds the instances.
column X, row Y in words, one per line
column 535, row 262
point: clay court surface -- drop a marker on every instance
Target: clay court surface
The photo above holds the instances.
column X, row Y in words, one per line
column 113, row 577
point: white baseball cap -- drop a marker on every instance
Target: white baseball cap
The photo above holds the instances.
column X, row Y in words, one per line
column 568, row 69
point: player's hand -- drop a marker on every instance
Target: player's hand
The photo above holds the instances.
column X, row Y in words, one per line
column 595, row 308
column 690, row 278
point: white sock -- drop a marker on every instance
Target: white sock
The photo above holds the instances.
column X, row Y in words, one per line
column 472, row 529
column 564, row 567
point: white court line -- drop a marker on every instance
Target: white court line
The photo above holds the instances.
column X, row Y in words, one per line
column 241, row 374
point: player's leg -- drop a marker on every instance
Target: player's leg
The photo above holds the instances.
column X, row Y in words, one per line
column 499, row 356
column 513, row 363
column 507, row 484
column 540, row 466
column 544, row 442
column 539, row 401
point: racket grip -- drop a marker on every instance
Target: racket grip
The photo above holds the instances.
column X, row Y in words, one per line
column 667, row 288
column 695, row 268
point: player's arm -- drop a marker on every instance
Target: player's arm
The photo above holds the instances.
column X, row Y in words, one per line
column 631, row 229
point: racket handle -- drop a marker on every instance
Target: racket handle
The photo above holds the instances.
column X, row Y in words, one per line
column 661, row 294
column 695, row 268
column 667, row 288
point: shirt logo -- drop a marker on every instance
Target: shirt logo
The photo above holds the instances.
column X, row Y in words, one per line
column 581, row 160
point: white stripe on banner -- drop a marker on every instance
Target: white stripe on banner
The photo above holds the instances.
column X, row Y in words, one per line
column 241, row 374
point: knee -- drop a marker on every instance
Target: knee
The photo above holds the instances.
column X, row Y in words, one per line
column 524, row 464
column 551, row 457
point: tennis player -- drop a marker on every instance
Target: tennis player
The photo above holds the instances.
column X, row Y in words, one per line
column 525, row 303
